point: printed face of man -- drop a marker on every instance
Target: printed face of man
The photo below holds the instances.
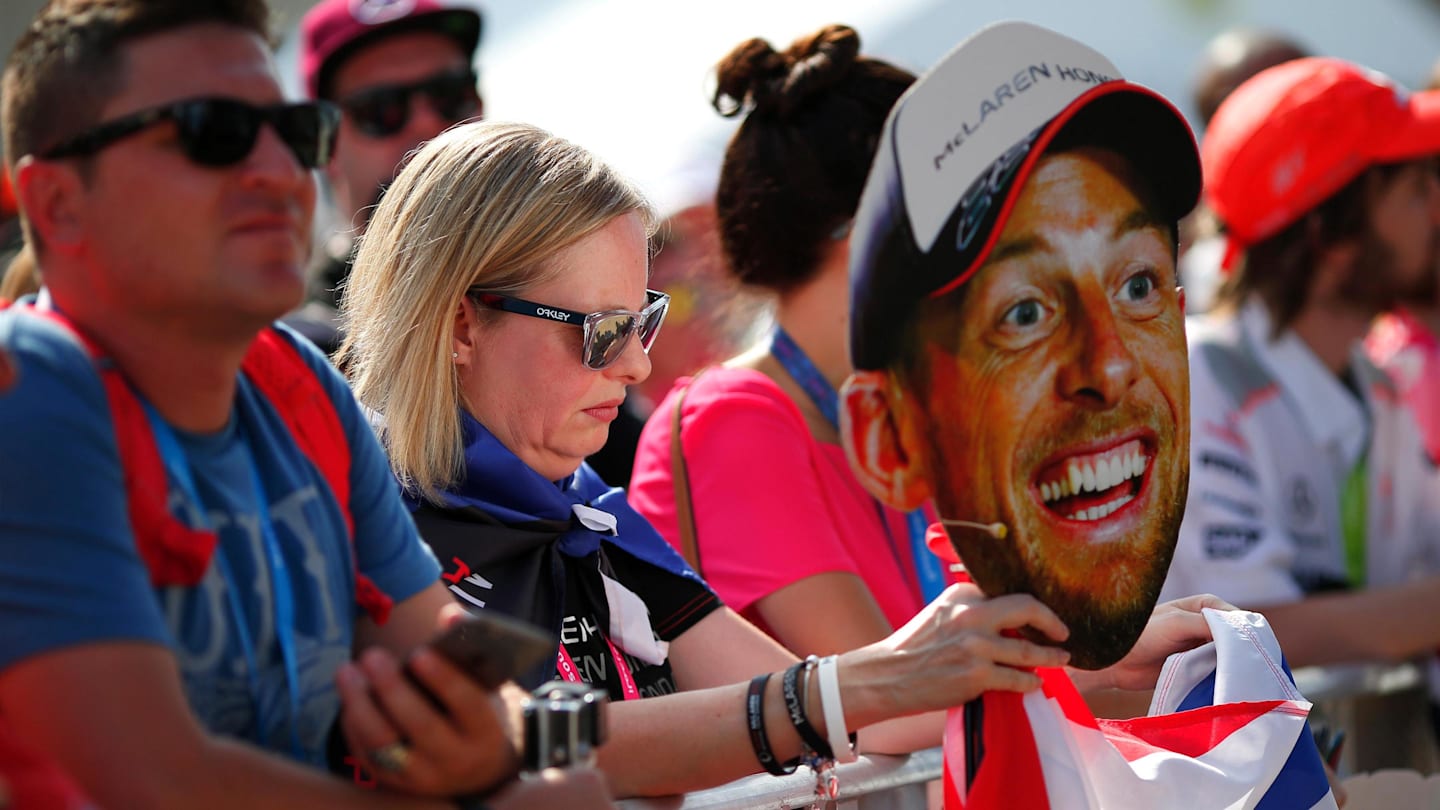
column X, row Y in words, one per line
column 1055, row 400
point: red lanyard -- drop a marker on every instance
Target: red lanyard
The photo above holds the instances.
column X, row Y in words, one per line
column 566, row 666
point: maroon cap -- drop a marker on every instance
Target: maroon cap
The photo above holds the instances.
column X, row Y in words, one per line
column 334, row 29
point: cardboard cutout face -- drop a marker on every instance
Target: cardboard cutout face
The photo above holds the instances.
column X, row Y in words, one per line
column 1048, row 390
column 1054, row 399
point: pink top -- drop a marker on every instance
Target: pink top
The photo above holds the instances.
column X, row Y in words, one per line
column 1410, row 354
column 772, row 505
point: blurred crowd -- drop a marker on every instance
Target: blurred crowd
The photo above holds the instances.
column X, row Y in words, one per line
column 223, row 557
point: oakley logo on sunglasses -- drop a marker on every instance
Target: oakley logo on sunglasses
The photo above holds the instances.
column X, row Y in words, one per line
column 606, row 333
column 220, row 131
column 553, row 314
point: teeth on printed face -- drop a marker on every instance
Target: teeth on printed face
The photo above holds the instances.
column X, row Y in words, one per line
column 1103, row 510
column 1096, row 473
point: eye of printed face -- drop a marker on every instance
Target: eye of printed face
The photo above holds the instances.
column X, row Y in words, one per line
column 1140, row 287
column 1142, row 294
column 1025, row 313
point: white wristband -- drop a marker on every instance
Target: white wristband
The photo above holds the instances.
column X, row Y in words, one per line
column 835, row 731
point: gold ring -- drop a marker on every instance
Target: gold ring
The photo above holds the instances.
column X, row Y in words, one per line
column 391, row 758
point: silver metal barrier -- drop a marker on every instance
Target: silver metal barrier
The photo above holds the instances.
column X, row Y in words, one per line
column 1382, row 707
column 873, row 782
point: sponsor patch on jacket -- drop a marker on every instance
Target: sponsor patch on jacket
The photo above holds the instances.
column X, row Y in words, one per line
column 1228, row 464
column 1235, row 505
column 1229, row 542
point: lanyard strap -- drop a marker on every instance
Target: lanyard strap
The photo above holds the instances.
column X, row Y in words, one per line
column 799, row 366
column 1352, row 521
column 566, row 667
column 177, row 464
column 930, row 579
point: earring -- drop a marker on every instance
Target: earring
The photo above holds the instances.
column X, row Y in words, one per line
column 455, row 355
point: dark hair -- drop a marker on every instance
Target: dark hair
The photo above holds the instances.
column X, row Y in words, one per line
column 1279, row 269
column 794, row 169
column 69, row 63
column 1234, row 56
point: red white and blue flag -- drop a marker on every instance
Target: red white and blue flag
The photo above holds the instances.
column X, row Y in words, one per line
column 1226, row 729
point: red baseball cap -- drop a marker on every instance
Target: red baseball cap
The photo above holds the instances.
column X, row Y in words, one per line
column 1294, row 134
column 334, row 29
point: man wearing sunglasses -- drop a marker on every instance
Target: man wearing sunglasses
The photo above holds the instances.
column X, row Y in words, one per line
column 401, row 72
column 182, row 661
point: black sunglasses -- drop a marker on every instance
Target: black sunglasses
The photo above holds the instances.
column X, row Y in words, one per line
column 606, row 333
column 220, row 131
column 383, row 111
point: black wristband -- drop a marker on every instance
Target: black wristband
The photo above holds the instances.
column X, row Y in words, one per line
column 795, row 707
column 755, row 721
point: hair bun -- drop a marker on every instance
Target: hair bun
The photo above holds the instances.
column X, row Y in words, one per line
column 754, row 76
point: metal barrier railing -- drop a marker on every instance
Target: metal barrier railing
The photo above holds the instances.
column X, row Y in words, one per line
column 872, row 782
column 1383, row 707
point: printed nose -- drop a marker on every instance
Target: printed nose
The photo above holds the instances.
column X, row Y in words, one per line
column 1102, row 367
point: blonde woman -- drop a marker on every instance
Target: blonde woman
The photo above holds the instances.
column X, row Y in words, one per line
column 496, row 313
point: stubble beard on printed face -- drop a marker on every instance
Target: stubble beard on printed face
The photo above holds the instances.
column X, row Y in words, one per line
column 1105, row 622
column 1121, row 583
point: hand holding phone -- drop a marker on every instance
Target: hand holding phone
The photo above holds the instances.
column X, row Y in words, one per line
column 493, row 648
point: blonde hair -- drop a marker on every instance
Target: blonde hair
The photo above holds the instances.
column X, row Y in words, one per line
column 483, row 204
column 22, row 277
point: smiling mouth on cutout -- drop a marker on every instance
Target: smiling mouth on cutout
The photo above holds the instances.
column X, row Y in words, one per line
column 1092, row 486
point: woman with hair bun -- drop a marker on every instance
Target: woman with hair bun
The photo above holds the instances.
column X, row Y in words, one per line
column 784, row 531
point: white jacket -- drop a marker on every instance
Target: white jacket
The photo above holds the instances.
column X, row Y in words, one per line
column 1274, row 434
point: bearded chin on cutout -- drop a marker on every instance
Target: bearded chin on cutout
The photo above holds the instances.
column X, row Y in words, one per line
column 1102, row 575
column 1104, row 592
column 1105, row 620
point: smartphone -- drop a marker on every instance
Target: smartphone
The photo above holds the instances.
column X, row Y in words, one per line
column 494, row 648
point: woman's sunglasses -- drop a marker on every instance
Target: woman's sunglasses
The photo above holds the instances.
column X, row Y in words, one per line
column 606, row 333
column 383, row 111
column 220, row 131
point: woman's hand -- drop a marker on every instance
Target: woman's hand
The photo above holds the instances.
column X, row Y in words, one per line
column 469, row 744
column 960, row 645
column 1173, row 627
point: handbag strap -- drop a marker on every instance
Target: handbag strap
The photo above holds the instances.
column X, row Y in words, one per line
column 684, row 508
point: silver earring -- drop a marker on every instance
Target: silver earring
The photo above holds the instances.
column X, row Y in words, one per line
column 455, row 355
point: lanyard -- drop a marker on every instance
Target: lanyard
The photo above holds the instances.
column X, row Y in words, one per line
column 178, row 465
column 1352, row 521
column 566, row 666
column 929, row 577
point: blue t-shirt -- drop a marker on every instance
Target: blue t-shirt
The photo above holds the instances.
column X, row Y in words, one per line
column 70, row 573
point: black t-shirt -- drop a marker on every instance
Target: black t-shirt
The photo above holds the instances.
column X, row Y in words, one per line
column 520, row 571
column 675, row 604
